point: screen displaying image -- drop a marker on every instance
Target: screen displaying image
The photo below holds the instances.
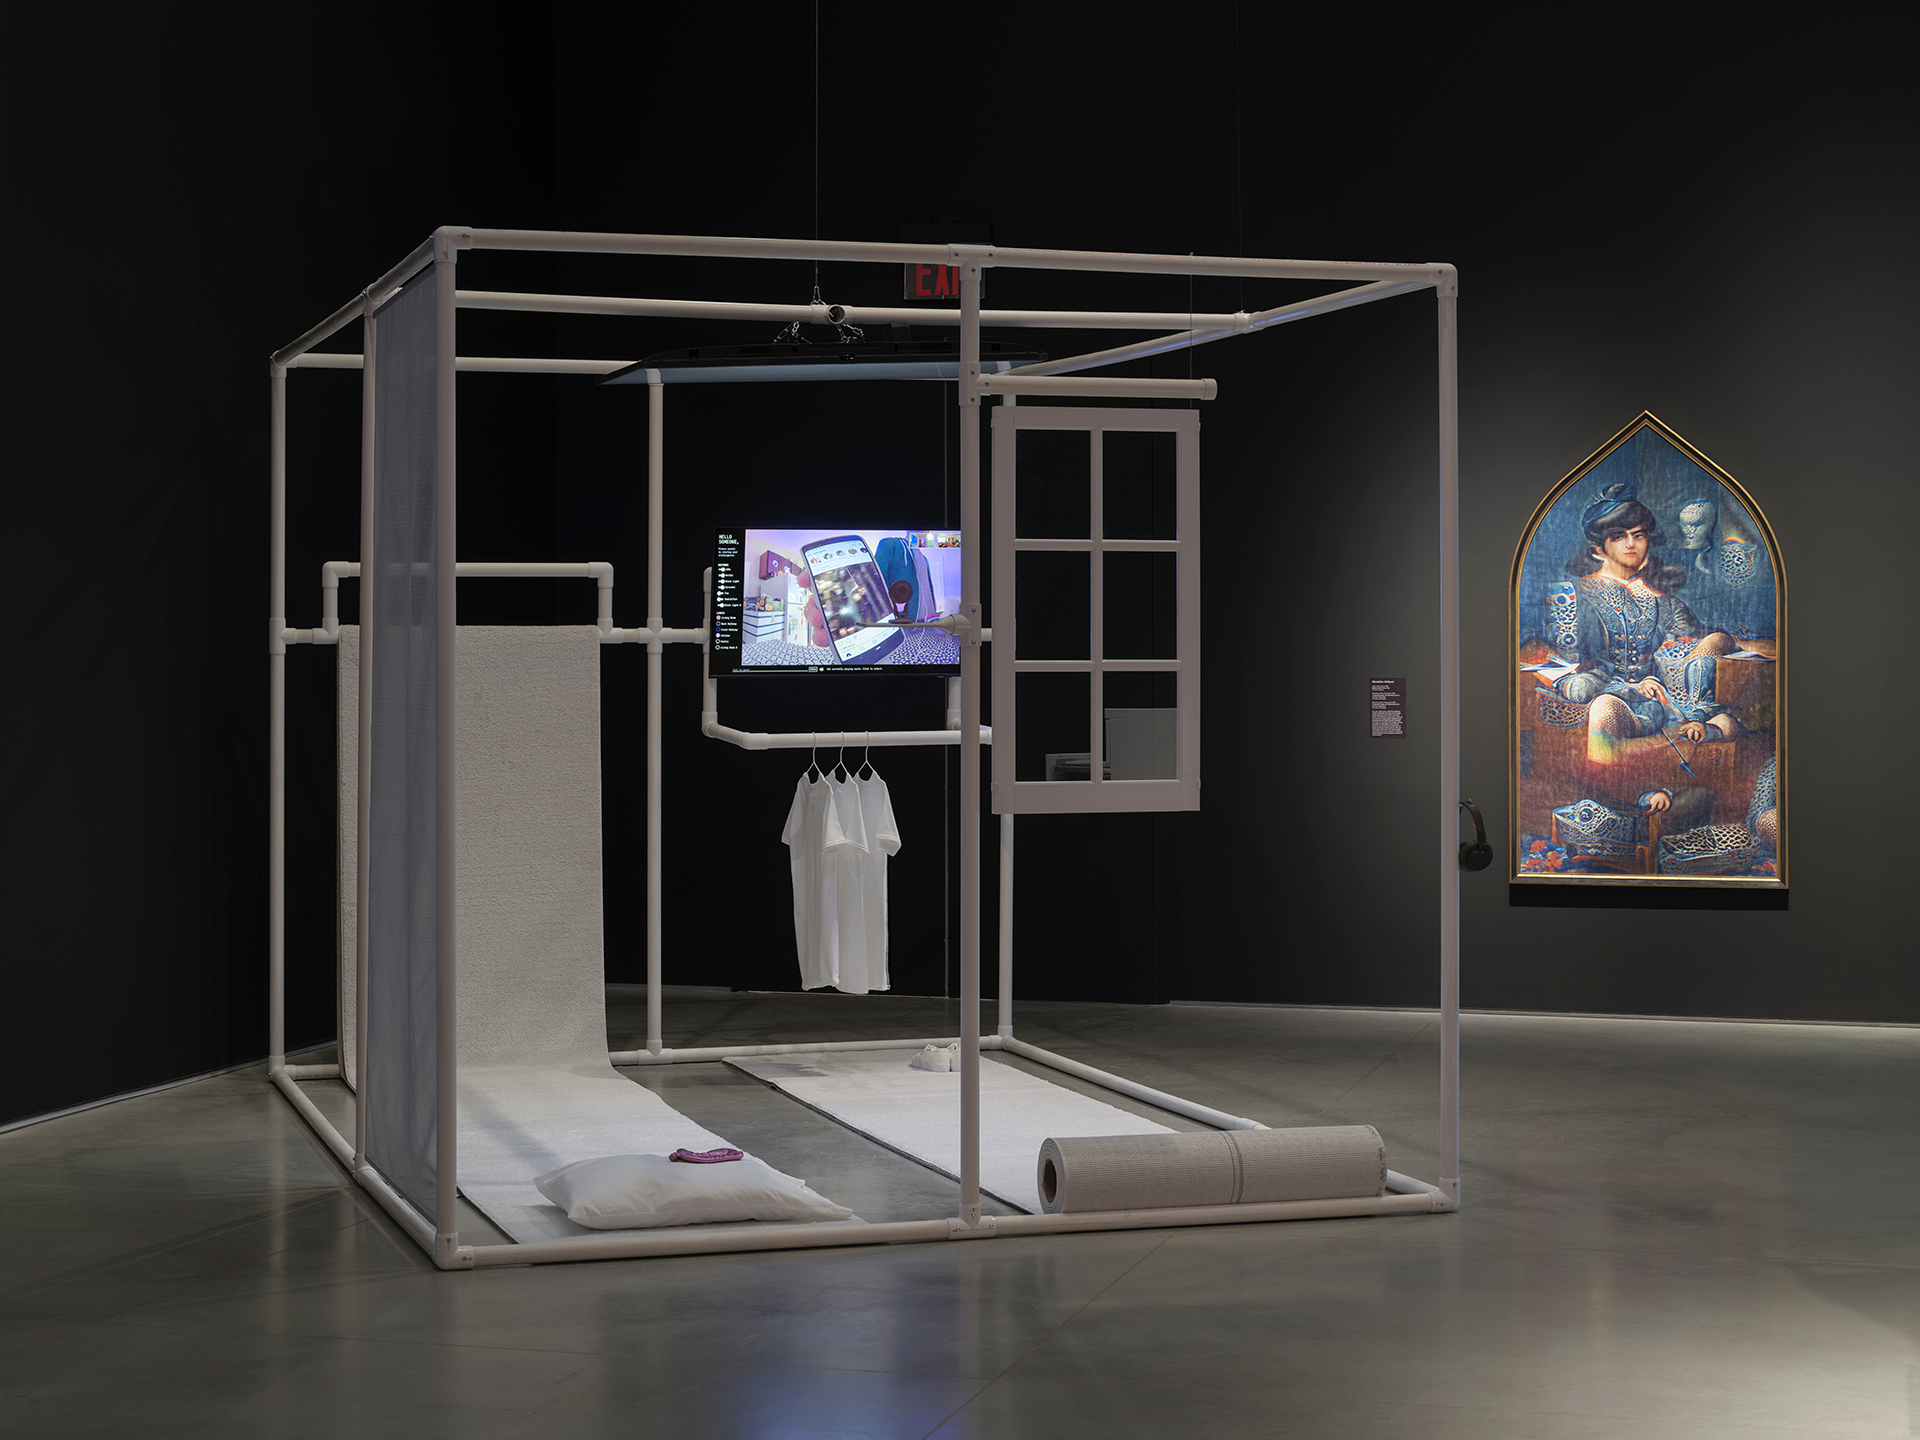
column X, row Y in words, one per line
column 802, row 601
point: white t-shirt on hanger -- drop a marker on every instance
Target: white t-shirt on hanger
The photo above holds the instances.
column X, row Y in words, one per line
column 883, row 840
column 846, row 880
column 814, row 838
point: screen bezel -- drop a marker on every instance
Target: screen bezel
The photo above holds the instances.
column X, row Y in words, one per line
column 728, row 638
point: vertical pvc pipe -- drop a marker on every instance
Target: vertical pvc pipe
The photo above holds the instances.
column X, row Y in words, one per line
column 1449, row 849
column 969, row 399
column 446, row 770
column 363, row 784
column 656, row 510
column 1096, row 612
column 1006, row 927
column 709, row 687
column 277, row 727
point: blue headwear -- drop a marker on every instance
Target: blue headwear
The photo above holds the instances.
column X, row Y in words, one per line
column 1606, row 501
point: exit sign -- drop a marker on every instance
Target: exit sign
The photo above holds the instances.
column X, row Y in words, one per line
column 940, row 284
column 934, row 282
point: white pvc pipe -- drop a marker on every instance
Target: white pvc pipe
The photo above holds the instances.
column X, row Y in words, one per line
column 1211, row 1214
column 418, row 1228
column 811, row 739
column 1200, row 334
column 446, row 770
column 363, row 780
column 277, row 724
column 656, row 513
column 362, row 304
column 311, row 1072
column 784, row 314
column 1141, row 350
column 1406, row 1185
column 601, row 570
column 632, row 1245
column 629, row 1244
column 747, row 248
column 665, row 635
column 333, row 571
column 702, row 1054
column 480, row 364
column 1449, row 839
column 970, row 608
column 1219, row 1119
column 308, row 1111
column 1106, row 387
column 1006, row 927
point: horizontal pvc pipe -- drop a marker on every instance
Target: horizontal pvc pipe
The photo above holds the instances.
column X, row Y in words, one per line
column 643, row 636
column 808, row 740
column 341, row 1146
column 854, row 314
column 313, row 1072
column 1206, row 334
column 409, row 1219
column 774, row 249
column 1141, row 388
column 1141, row 350
column 481, row 364
column 1407, row 1185
column 601, row 570
column 1112, row 262
column 1212, row 1214
column 356, row 308
column 703, row 1053
column 1193, row 1111
column 631, row 1245
column 417, row 1226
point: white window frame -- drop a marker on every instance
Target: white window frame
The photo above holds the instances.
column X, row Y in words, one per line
column 1095, row 794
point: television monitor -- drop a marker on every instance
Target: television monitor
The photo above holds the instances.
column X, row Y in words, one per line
column 834, row 599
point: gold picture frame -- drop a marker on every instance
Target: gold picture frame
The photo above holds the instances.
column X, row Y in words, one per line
column 1647, row 694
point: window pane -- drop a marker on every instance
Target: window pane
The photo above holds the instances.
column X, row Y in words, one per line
column 1138, row 497
column 1054, row 603
column 1053, row 720
column 1053, row 483
column 1141, row 613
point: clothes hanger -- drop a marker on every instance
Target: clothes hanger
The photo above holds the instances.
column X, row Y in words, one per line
column 813, row 755
column 840, row 766
column 866, row 756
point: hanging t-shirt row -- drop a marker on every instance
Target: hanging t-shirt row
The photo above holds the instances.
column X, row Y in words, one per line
column 839, row 834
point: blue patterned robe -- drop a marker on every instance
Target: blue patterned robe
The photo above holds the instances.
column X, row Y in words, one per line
column 1619, row 635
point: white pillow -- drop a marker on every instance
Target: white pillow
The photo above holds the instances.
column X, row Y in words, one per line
column 624, row 1192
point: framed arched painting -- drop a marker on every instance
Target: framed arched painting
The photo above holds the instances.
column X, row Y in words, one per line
column 1648, row 615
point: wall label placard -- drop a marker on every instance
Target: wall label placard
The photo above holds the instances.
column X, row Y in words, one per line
column 1387, row 702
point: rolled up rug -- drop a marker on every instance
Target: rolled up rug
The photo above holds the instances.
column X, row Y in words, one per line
column 1222, row 1167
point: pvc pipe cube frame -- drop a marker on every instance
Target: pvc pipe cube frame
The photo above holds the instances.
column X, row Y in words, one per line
column 438, row 1234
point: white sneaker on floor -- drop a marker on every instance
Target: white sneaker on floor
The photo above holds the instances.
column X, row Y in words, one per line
column 952, row 1052
column 933, row 1057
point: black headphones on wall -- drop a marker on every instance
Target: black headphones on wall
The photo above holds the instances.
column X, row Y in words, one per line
column 1475, row 854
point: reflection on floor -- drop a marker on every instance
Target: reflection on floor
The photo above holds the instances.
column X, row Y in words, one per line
column 1671, row 1229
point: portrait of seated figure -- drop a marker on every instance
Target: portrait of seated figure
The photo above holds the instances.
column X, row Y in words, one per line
column 1647, row 608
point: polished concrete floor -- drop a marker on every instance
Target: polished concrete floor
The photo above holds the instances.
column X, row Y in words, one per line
column 1671, row 1230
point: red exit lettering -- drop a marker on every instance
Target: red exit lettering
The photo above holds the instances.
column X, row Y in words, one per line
column 933, row 282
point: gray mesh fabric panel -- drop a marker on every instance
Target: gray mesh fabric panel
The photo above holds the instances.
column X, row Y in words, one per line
column 402, row 934
column 1222, row 1167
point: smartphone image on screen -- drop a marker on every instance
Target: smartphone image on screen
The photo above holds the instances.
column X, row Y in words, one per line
column 852, row 594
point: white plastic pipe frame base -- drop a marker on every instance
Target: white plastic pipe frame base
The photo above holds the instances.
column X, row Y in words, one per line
column 1403, row 1196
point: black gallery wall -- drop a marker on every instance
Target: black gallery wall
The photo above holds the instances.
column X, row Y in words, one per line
column 1716, row 229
